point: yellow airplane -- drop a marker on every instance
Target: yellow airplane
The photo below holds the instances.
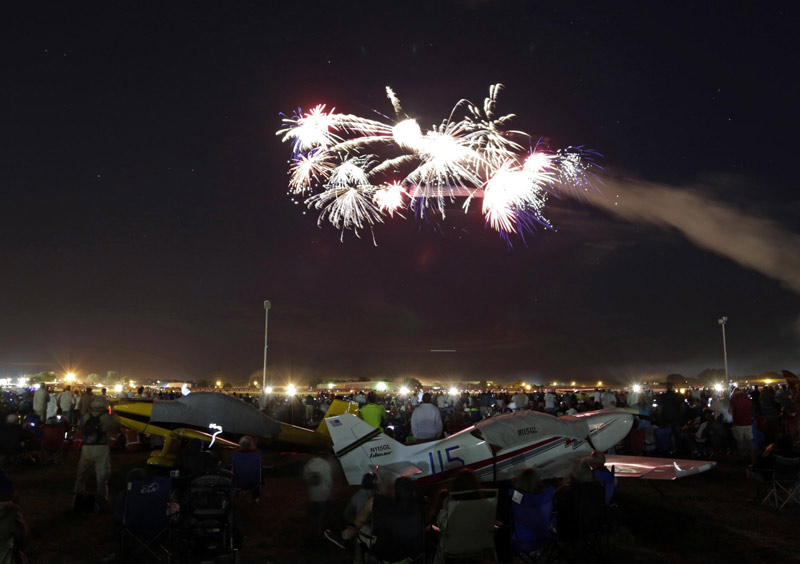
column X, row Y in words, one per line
column 218, row 419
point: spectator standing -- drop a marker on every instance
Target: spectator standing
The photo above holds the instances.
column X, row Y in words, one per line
column 550, row 402
column 373, row 413
column 741, row 409
column 309, row 409
column 52, row 406
column 319, row 478
column 609, row 399
column 65, row 404
column 40, row 399
column 86, row 401
column 426, row 421
column 520, row 400
column 485, row 402
column 97, row 425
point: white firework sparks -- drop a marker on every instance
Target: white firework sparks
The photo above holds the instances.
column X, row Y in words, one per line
column 390, row 198
column 314, row 166
column 355, row 163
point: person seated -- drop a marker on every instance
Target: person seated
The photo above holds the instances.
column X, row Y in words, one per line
column 760, row 472
column 118, row 507
column 13, row 529
column 354, row 507
column 465, row 480
column 528, row 481
column 602, row 474
column 580, row 504
column 194, row 460
column 390, row 523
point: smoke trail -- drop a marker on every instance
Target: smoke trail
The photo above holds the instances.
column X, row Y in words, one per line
column 754, row 242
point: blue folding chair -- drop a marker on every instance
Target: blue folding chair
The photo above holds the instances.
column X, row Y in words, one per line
column 246, row 468
column 663, row 437
column 606, row 478
column 532, row 522
column 145, row 518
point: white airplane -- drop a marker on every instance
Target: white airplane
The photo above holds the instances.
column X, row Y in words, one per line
column 496, row 448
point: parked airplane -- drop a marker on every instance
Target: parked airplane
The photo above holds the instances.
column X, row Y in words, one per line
column 497, row 447
column 200, row 415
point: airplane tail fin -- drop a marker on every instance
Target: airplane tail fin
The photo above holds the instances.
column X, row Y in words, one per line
column 337, row 407
column 359, row 446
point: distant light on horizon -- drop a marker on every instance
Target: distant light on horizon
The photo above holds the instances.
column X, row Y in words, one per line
column 637, row 388
column 268, row 389
column 404, row 391
column 291, row 389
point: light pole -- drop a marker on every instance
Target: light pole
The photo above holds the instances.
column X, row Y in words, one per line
column 267, row 305
column 722, row 321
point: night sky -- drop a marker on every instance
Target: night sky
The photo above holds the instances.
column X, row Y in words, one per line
column 145, row 215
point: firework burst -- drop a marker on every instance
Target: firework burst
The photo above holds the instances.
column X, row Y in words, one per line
column 359, row 171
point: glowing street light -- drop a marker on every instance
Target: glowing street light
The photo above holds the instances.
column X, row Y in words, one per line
column 267, row 305
column 219, row 384
column 291, row 389
column 404, row 391
column 70, row 377
column 722, row 321
column 453, row 391
column 268, row 390
column 118, row 388
column 637, row 388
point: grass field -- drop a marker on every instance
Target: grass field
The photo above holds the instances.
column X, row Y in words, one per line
column 704, row 517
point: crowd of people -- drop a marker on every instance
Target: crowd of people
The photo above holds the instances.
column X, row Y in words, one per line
column 754, row 423
column 694, row 422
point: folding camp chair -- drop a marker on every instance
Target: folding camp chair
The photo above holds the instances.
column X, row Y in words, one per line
column 784, row 487
column 532, row 523
column 54, row 442
column 246, row 468
column 581, row 511
column 469, row 528
column 663, row 439
column 205, row 530
column 607, row 479
column 145, row 519
column 398, row 530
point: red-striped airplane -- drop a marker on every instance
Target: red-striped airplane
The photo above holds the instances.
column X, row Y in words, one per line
column 496, row 448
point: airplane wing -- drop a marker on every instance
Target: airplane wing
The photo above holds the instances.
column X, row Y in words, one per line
column 205, row 437
column 402, row 468
column 655, row 468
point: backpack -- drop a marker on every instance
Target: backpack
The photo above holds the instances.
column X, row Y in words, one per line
column 93, row 431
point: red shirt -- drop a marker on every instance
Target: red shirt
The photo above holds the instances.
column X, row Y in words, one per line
column 741, row 406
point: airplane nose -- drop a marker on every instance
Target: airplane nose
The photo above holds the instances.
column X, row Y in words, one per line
column 611, row 429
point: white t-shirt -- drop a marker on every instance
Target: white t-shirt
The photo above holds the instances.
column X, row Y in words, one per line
column 317, row 474
column 426, row 422
column 550, row 400
column 65, row 400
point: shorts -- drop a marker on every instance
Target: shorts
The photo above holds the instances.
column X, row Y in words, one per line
column 743, row 434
